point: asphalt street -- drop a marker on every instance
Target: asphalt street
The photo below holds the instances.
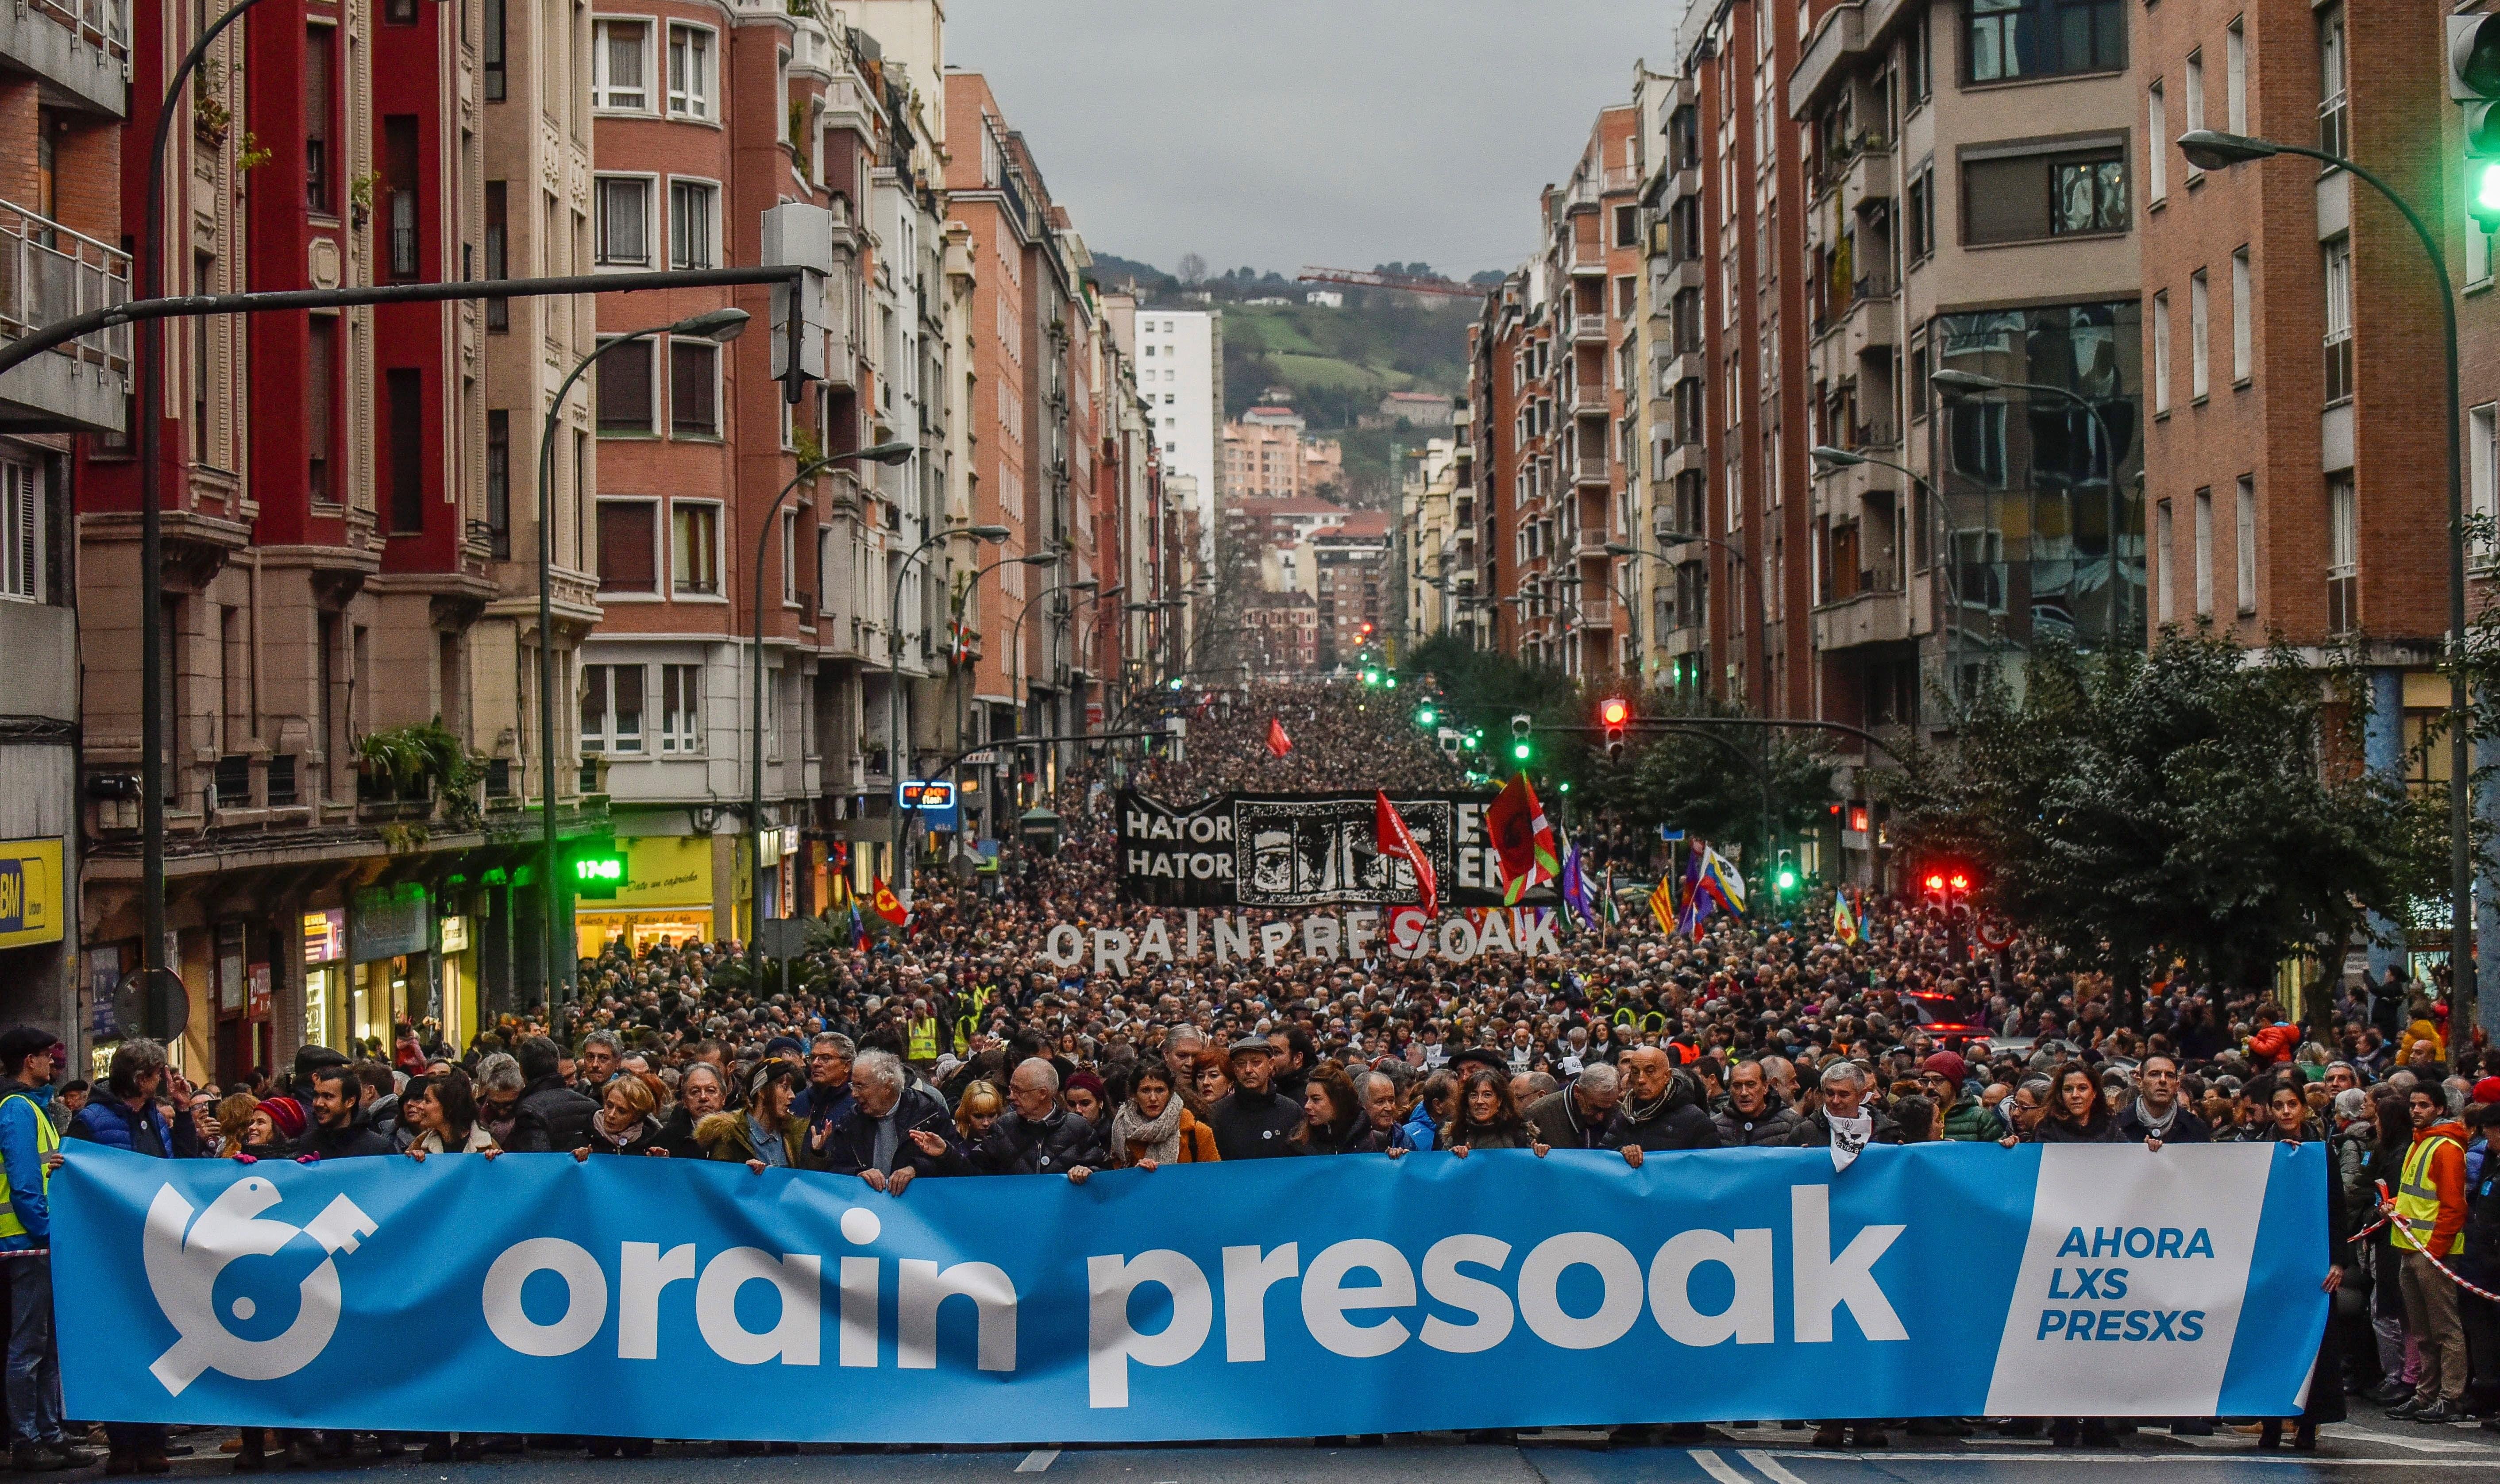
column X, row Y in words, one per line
column 2368, row 1450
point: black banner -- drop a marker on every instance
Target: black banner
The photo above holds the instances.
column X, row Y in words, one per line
column 1286, row 851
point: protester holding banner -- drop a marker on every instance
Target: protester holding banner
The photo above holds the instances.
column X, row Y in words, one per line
column 1154, row 1128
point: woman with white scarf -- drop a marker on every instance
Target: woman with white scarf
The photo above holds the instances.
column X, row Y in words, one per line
column 1151, row 1128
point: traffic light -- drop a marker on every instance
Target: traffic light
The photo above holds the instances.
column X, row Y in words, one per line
column 1612, row 714
column 2473, row 79
column 1521, row 749
column 1949, row 883
column 1425, row 716
column 1783, row 878
column 1371, row 674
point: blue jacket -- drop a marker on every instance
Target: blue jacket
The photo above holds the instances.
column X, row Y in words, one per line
column 1420, row 1131
column 23, row 1157
column 108, row 1120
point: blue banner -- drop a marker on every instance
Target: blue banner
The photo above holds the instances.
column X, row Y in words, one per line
column 1282, row 1297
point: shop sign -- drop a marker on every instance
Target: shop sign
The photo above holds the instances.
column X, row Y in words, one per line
column 256, row 1003
column 30, row 892
column 389, row 924
column 455, row 934
column 934, row 802
column 325, row 936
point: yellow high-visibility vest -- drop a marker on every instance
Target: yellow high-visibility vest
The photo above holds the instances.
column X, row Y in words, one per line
column 924, row 1039
column 47, row 1139
column 2418, row 1200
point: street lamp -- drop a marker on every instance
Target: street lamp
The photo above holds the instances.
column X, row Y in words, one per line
column 2212, row 149
column 881, row 453
column 1762, row 644
column 896, row 765
column 1971, row 382
column 1831, row 458
column 720, row 326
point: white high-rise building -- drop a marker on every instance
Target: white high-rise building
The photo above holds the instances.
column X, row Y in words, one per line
column 1180, row 374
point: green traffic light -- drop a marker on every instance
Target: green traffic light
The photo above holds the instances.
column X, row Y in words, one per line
column 2482, row 197
column 1425, row 716
column 1565, row 786
column 1518, row 749
column 1788, row 880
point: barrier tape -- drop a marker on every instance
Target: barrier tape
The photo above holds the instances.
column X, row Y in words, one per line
column 2406, row 1232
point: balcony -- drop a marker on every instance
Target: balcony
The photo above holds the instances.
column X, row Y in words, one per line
column 1869, row 173
column 1593, row 468
column 1588, row 329
column 1872, row 325
column 1841, row 37
column 1867, row 618
column 48, row 274
column 1590, row 545
column 80, row 46
column 1589, row 400
column 1589, row 258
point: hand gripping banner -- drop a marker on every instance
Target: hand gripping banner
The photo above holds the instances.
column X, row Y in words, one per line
column 1283, row 1297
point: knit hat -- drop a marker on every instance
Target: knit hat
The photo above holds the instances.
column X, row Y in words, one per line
column 286, row 1115
column 2487, row 1091
column 1089, row 1081
column 1947, row 1064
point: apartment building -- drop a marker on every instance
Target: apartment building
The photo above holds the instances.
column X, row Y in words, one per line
column 1265, row 456
column 64, row 86
column 1438, row 583
column 1671, row 473
column 1180, row 372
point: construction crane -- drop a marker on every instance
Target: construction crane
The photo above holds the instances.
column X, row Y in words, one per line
column 1450, row 288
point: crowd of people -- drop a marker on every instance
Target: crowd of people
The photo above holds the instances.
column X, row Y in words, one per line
column 953, row 1048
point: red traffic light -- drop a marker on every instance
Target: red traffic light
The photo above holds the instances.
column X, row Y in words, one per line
column 1614, row 711
column 1935, row 880
column 1960, row 881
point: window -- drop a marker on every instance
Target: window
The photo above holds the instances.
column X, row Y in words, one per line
column 2339, row 320
column 624, row 221
column 2343, row 554
column 2235, row 76
column 629, row 546
column 681, row 709
column 1921, row 80
column 399, row 193
column 2027, row 197
column 2204, row 552
column 320, row 404
column 625, row 376
column 2333, row 119
column 2482, row 472
column 2195, row 83
column 1922, row 197
column 2163, row 611
column 611, row 710
column 689, row 72
column 2161, row 352
column 695, row 549
column 499, row 484
column 24, row 540
column 694, row 388
column 320, row 68
column 403, row 390
column 790, row 557
column 690, row 224
column 2244, row 543
column 617, row 73
column 2478, row 252
column 399, row 13
column 499, row 255
column 2198, row 316
column 2156, row 160
column 493, row 56
column 2242, row 350
column 2008, row 40
column 1627, row 226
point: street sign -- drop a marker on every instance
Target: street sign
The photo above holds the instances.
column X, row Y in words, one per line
column 598, row 874
column 934, row 803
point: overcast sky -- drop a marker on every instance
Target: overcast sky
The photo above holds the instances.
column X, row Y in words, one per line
column 1285, row 132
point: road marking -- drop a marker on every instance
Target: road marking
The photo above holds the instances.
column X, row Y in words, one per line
column 1038, row 1460
column 2065, row 1455
column 1772, row 1469
column 2355, row 1434
column 1718, row 1467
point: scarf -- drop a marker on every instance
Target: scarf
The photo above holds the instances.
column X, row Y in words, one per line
column 2156, row 1127
column 1160, row 1137
column 1848, row 1139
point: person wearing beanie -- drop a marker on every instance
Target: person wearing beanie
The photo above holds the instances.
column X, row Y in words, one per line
column 1966, row 1119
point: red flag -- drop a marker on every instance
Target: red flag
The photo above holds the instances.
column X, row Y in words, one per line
column 888, row 905
column 1397, row 840
column 1277, row 742
column 1522, row 839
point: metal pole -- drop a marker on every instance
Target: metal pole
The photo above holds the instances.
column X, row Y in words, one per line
column 896, row 763
column 755, row 731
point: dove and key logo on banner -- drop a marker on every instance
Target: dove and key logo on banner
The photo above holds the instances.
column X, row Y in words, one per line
column 1283, row 1298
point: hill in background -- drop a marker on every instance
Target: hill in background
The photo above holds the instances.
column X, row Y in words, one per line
column 1332, row 365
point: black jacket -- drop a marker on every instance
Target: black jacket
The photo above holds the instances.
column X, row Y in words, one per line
column 354, row 1141
column 677, row 1135
column 1772, row 1127
column 850, row 1146
column 550, row 1117
column 1815, row 1132
column 2185, row 1128
column 1680, row 1121
column 1255, row 1126
column 1017, row 1146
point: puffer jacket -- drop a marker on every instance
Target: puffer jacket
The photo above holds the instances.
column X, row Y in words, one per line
column 1018, row 1146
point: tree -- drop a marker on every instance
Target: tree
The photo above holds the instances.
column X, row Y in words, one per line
column 1193, row 268
column 1709, row 782
column 2196, row 802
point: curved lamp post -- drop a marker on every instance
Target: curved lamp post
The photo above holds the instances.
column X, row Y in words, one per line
column 897, row 764
column 2211, row 149
column 881, row 453
column 720, row 326
column 1831, row 458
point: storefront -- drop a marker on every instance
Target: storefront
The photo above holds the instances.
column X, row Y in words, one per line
column 456, row 960
column 390, row 932
column 34, row 917
column 666, row 895
column 325, row 974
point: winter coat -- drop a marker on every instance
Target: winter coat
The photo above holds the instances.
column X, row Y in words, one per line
column 730, row 1135
column 850, row 1144
column 357, row 1140
column 1971, row 1121
column 550, row 1117
column 2185, row 1128
column 1815, row 1132
column 1196, row 1145
column 1773, row 1126
column 1255, row 1126
column 1555, row 1119
column 1018, row 1146
column 641, row 1138
column 1679, row 1122
column 109, row 1121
